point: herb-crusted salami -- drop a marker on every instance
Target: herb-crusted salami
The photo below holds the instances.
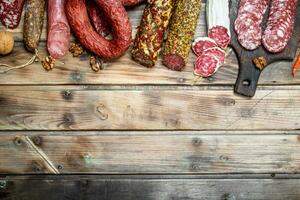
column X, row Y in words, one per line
column 280, row 25
column 151, row 31
column 10, row 12
column 33, row 23
column 248, row 22
column 181, row 33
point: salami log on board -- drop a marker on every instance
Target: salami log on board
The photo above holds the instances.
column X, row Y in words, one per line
column 58, row 40
column 181, row 33
column 248, row 22
column 151, row 31
column 280, row 25
column 115, row 12
column 33, row 23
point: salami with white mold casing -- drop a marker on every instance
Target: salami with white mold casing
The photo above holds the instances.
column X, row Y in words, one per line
column 58, row 41
column 248, row 22
column 217, row 14
column 280, row 25
column 10, row 12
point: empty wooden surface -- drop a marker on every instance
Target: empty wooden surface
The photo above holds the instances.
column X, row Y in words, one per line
column 138, row 133
column 147, row 188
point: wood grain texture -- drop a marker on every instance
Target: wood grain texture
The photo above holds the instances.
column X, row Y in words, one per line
column 94, row 187
column 135, row 153
column 126, row 71
column 147, row 108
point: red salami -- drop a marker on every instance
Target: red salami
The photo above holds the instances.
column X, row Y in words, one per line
column 58, row 40
column 220, row 35
column 248, row 23
column 98, row 19
column 121, row 28
column 206, row 65
column 10, row 12
column 203, row 43
column 280, row 25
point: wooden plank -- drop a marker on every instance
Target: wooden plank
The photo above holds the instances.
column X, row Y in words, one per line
column 125, row 71
column 93, row 187
column 147, row 108
column 136, row 153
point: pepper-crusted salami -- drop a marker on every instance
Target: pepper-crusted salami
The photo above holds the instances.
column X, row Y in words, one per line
column 280, row 25
column 33, row 23
column 10, row 12
column 151, row 31
column 121, row 28
column 181, row 33
column 58, row 41
column 248, row 22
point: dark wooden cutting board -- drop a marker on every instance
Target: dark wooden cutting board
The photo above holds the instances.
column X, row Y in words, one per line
column 248, row 73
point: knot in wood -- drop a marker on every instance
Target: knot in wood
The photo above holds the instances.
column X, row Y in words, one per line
column 102, row 112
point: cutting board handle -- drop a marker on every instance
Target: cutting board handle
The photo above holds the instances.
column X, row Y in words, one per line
column 248, row 77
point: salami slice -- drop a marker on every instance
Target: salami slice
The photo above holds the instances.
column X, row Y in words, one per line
column 10, row 12
column 280, row 25
column 217, row 53
column 220, row 35
column 203, row 43
column 248, row 22
column 206, row 65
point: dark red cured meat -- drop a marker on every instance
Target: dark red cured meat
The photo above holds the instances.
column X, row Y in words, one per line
column 220, row 35
column 10, row 12
column 216, row 52
column 203, row 43
column 98, row 19
column 121, row 28
column 131, row 2
column 280, row 25
column 206, row 65
column 58, row 41
column 248, row 22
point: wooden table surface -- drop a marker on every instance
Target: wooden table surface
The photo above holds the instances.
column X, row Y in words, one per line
column 128, row 132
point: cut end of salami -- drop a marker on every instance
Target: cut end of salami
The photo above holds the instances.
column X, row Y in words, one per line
column 143, row 59
column 203, row 43
column 206, row 65
column 174, row 62
column 220, row 35
column 57, row 44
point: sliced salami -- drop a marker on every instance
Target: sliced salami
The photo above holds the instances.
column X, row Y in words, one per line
column 206, row 65
column 217, row 53
column 203, row 43
column 280, row 25
column 248, row 22
column 10, row 12
column 220, row 35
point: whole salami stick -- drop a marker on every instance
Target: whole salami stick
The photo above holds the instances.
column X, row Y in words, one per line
column 58, row 41
column 10, row 12
column 181, row 33
column 148, row 41
column 33, row 23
